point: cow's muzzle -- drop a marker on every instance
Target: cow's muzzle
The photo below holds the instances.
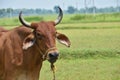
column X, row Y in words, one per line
column 53, row 56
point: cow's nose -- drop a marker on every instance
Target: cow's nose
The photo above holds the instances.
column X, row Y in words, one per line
column 54, row 55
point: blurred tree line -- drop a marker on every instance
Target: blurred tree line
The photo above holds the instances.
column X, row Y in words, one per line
column 9, row 12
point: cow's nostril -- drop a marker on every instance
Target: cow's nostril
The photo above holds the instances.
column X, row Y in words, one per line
column 53, row 55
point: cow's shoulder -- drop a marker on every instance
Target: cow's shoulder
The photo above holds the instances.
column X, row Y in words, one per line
column 3, row 29
column 22, row 30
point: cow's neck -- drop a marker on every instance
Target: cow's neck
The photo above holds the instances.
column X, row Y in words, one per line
column 33, row 63
column 33, row 57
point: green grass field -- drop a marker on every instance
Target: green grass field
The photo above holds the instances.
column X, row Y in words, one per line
column 83, row 69
column 95, row 47
column 91, row 43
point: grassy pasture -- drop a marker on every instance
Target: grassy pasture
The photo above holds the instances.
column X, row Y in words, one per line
column 85, row 69
column 91, row 43
column 93, row 38
column 97, row 25
column 68, row 18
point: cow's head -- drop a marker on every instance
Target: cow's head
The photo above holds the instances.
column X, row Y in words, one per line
column 44, row 35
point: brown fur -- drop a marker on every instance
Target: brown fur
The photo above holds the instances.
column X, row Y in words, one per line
column 2, row 29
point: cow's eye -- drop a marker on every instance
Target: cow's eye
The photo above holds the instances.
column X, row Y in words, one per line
column 39, row 36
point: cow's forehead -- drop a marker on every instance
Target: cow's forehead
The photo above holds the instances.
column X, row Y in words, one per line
column 46, row 27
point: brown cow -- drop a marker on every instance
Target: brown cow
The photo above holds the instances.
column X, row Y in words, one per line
column 23, row 49
column 2, row 30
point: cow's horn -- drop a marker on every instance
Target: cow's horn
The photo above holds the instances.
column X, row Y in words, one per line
column 25, row 23
column 58, row 20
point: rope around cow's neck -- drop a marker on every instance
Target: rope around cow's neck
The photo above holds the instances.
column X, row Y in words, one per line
column 53, row 69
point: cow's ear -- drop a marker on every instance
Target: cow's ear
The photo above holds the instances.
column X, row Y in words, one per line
column 63, row 39
column 29, row 41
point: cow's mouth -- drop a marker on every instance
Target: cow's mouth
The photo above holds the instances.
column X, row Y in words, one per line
column 53, row 60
